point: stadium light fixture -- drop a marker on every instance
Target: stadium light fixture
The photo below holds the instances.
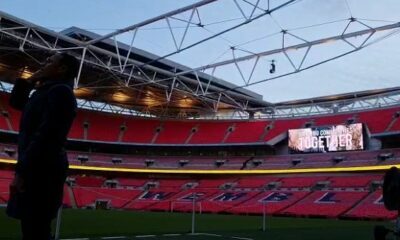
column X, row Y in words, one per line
column 25, row 74
column 120, row 97
column 149, row 101
column 186, row 102
column 82, row 92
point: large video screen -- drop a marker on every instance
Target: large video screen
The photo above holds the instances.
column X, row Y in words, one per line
column 326, row 139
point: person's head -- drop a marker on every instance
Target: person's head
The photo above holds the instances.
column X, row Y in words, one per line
column 60, row 66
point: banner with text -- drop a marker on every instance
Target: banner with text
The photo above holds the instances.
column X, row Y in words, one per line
column 326, row 139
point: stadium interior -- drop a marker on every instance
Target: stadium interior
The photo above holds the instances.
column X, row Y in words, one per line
column 158, row 148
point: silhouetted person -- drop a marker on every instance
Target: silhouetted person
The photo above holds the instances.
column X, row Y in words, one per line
column 47, row 115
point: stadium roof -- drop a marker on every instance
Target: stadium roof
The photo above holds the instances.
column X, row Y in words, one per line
column 25, row 45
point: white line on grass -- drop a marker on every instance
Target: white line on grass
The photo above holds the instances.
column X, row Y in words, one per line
column 171, row 234
column 118, row 237
column 145, row 236
column 242, row 238
column 75, row 239
column 206, row 234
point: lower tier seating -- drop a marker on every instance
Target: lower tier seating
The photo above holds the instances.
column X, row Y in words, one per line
column 325, row 203
column 4, row 190
column 245, row 195
column 371, row 207
column 117, row 198
column 271, row 202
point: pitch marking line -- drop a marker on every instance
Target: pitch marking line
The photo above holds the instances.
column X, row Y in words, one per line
column 206, row 234
column 145, row 236
column 242, row 238
column 118, row 237
column 75, row 239
column 164, row 235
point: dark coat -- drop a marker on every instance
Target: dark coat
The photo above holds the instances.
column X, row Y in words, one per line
column 47, row 116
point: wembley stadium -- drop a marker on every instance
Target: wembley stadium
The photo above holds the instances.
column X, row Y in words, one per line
column 180, row 141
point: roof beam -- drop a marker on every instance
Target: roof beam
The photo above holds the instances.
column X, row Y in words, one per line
column 298, row 46
column 149, row 21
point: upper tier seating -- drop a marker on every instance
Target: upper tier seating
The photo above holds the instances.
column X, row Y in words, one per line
column 13, row 115
column 374, row 123
column 395, row 124
column 210, row 132
column 114, row 128
column 249, row 131
column 103, row 127
column 169, row 134
column 282, row 126
column 140, row 130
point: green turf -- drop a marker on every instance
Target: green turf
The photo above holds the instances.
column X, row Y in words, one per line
column 96, row 224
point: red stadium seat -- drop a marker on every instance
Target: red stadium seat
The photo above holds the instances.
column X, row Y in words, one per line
column 300, row 182
column 377, row 124
column 247, row 132
column 210, row 132
column 175, row 132
column 146, row 199
column 4, row 190
column 353, row 181
column 325, row 203
column 214, row 184
column 5, row 174
column 223, row 201
column 118, row 197
column 272, row 201
column 127, row 182
column 282, row 126
column 255, row 182
column 140, row 130
column 104, row 127
column 372, row 208
column 89, row 181
column 76, row 131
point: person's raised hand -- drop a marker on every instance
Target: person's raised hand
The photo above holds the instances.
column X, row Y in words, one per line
column 36, row 76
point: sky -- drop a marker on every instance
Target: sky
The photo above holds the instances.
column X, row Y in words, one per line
column 374, row 67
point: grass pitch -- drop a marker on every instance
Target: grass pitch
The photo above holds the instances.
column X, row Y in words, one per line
column 176, row 226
